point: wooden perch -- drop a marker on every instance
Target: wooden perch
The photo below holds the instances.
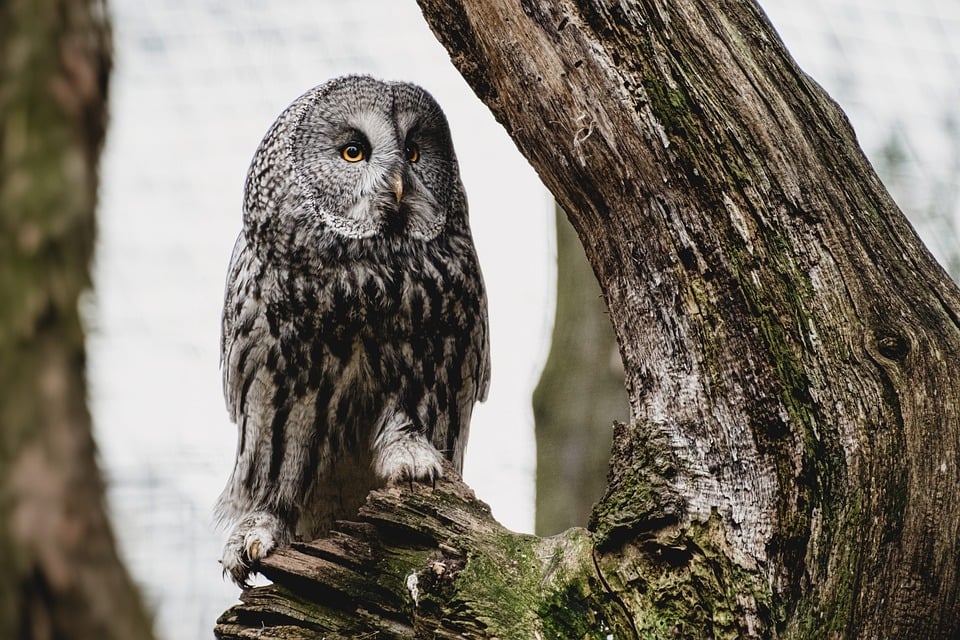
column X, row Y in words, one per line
column 425, row 562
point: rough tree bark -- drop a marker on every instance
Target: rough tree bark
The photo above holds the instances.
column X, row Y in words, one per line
column 790, row 466
column 579, row 396
column 60, row 577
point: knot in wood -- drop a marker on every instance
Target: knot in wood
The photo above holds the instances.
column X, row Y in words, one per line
column 893, row 347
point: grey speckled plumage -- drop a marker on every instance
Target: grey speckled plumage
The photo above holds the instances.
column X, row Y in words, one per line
column 355, row 324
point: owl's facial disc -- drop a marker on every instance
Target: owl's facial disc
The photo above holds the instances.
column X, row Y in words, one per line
column 389, row 196
column 373, row 159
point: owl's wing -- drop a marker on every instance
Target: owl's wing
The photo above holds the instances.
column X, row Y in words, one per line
column 250, row 357
column 244, row 342
column 229, row 316
column 265, row 395
column 238, row 333
column 482, row 345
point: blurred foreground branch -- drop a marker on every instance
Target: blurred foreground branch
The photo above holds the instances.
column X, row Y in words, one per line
column 62, row 577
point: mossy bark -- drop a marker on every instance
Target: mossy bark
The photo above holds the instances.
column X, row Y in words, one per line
column 425, row 562
column 61, row 575
column 790, row 465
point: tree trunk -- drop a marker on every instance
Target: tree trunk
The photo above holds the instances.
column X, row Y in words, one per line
column 61, row 575
column 790, row 468
column 579, row 395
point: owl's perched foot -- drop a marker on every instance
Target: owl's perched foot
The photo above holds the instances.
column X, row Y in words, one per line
column 401, row 455
column 252, row 538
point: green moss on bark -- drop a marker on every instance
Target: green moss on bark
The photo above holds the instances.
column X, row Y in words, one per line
column 523, row 586
column 639, row 496
column 684, row 584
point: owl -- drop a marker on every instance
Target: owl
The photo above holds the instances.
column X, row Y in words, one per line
column 354, row 333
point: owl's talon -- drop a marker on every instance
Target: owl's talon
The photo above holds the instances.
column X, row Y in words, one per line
column 408, row 457
column 252, row 539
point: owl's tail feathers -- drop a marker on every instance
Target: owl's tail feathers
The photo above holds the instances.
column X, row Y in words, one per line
column 232, row 504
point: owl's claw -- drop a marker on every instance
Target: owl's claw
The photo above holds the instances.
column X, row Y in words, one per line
column 431, row 478
column 410, row 458
column 251, row 540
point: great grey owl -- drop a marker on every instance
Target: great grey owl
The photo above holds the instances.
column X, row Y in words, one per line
column 354, row 341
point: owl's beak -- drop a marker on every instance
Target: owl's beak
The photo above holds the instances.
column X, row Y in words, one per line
column 397, row 184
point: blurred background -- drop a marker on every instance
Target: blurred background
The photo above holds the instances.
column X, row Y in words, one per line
column 194, row 87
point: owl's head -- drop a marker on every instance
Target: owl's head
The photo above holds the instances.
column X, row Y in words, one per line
column 360, row 158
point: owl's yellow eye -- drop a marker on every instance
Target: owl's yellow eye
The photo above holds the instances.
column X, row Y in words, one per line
column 412, row 152
column 352, row 152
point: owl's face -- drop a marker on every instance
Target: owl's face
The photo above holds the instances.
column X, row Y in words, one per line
column 362, row 158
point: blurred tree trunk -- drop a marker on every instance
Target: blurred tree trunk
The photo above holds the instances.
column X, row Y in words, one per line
column 791, row 467
column 61, row 575
column 579, row 395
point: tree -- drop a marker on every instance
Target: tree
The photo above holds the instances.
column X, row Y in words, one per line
column 790, row 467
column 61, row 574
column 579, row 395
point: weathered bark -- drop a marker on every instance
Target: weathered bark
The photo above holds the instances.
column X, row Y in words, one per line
column 427, row 563
column 579, row 395
column 790, row 468
column 61, row 576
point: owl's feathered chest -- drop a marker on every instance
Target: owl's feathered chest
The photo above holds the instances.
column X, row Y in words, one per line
column 320, row 307
column 389, row 295
column 351, row 326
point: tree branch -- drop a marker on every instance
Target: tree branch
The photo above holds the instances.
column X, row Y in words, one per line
column 425, row 562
